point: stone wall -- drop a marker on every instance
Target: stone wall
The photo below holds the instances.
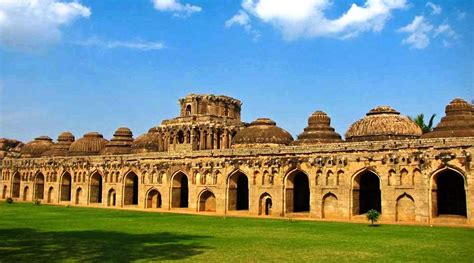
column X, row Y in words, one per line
column 337, row 176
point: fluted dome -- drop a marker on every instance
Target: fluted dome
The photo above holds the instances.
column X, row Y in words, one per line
column 37, row 147
column 383, row 123
column 91, row 144
column 121, row 142
column 148, row 142
column 319, row 130
column 262, row 132
column 61, row 148
column 458, row 122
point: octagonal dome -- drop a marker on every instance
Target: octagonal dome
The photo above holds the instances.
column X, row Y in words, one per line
column 61, row 148
column 319, row 130
column 90, row 144
column 148, row 142
column 458, row 122
column 121, row 142
column 37, row 147
column 262, row 131
column 383, row 123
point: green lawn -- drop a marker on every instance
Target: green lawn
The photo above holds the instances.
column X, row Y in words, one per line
column 44, row 233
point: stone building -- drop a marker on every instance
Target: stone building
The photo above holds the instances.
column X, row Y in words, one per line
column 208, row 161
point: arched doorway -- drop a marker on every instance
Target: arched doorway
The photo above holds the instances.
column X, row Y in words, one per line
column 405, row 208
column 330, row 206
column 366, row 193
column 153, row 199
column 16, row 185
column 96, row 188
column 50, row 194
column 66, row 185
column 131, row 189
column 297, row 192
column 448, row 193
column 39, row 186
column 26, row 191
column 78, row 196
column 265, row 204
column 207, row 202
column 180, row 191
column 238, row 191
column 111, row 198
column 4, row 193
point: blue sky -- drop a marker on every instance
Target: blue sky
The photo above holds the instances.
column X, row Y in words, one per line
column 97, row 65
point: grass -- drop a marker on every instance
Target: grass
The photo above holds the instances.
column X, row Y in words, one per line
column 30, row 233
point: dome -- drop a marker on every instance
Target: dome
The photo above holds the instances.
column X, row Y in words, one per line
column 148, row 142
column 37, row 147
column 90, row 144
column 319, row 130
column 458, row 122
column 61, row 148
column 121, row 142
column 262, row 131
column 383, row 123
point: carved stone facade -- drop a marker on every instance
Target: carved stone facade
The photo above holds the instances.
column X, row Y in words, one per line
column 208, row 161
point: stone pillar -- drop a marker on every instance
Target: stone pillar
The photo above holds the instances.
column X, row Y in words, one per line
column 202, row 146
column 216, row 138
column 209, row 140
column 225, row 140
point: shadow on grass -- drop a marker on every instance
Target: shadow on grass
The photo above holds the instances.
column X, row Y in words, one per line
column 29, row 245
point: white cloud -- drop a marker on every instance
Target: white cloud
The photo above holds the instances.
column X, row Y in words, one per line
column 29, row 24
column 421, row 31
column 178, row 9
column 243, row 19
column 461, row 15
column 435, row 9
column 306, row 18
column 418, row 31
column 137, row 45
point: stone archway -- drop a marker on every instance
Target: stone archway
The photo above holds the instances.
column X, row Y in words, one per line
column 405, row 208
column 366, row 194
column 207, row 202
column 95, row 194
column 297, row 192
column 153, row 199
column 66, row 186
column 265, row 204
column 50, row 194
column 4, row 193
column 238, row 191
column 26, row 192
column 130, row 196
column 78, row 196
column 39, row 186
column 448, row 194
column 330, row 206
column 16, row 185
column 111, row 197
column 180, row 191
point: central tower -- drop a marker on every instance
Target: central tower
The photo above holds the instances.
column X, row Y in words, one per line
column 206, row 121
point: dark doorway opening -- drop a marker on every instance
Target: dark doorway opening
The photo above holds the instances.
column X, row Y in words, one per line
column 366, row 193
column 450, row 195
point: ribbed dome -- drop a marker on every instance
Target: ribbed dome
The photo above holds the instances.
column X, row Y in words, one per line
column 383, row 123
column 148, row 142
column 262, row 131
column 37, row 147
column 61, row 148
column 458, row 122
column 121, row 142
column 91, row 144
column 319, row 130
